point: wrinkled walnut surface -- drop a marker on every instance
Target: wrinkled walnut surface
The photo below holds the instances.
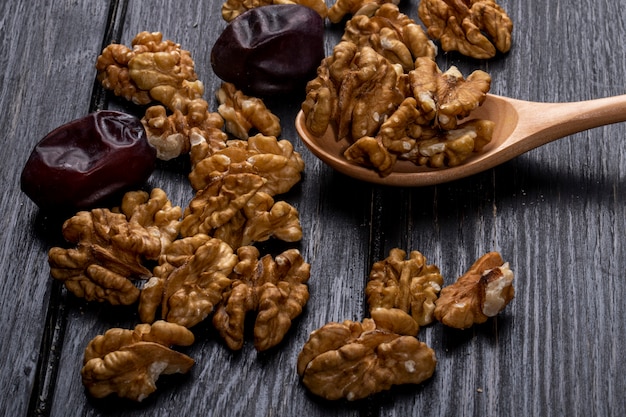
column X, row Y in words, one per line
column 274, row 288
column 343, row 8
column 410, row 285
column 189, row 281
column 112, row 248
column 353, row 360
column 476, row 28
column 233, row 8
column 152, row 70
column 392, row 34
column 233, row 208
column 242, row 113
column 274, row 160
column 482, row 292
column 129, row 362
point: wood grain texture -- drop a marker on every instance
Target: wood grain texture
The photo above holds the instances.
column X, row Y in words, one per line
column 557, row 214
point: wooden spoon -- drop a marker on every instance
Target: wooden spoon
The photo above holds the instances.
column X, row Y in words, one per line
column 520, row 127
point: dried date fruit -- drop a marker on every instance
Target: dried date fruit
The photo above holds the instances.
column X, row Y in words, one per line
column 87, row 160
column 270, row 50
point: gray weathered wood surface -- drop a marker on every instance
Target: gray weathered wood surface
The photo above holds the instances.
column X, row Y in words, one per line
column 557, row 214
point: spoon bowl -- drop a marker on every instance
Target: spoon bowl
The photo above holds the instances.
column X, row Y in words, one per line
column 519, row 127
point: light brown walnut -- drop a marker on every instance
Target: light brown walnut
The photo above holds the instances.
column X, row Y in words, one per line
column 475, row 28
column 218, row 202
column 233, row 8
column 408, row 284
column 274, row 160
column 173, row 134
column 113, row 74
column 368, row 94
column 153, row 211
column 372, row 153
column 152, row 69
column 446, row 97
column 232, row 208
column 274, row 288
column 440, row 149
column 482, row 292
column 189, row 281
column 113, row 248
column 363, row 87
column 321, row 105
column 392, row 34
column 354, row 360
column 399, row 132
column 169, row 77
column 242, row 113
column 343, row 8
column 129, row 362
column 260, row 219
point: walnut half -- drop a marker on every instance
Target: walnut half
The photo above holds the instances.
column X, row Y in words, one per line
column 475, row 28
column 274, row 287
column 353, row 360
column 189, row 281
column 129, row 362
column 410, row 285
column 482, row 292
column 112, row 248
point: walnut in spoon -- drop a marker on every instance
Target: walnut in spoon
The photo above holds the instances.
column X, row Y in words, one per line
column 519, row 126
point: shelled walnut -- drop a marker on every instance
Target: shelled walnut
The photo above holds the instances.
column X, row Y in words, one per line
column 129, row 362
column 476, row 28
column 353, row 360
column 343, row 8
column 482, row 292
column 232, row 208
column 410, row 285
column 233, row 8
column 275, row 288
column 272, row 159
column 189, row 281
column 153, row 211
column 242, row 113
column 112, row 248
column 392, row 34
column 445, row 97
column 172, row 134
column 366, row 88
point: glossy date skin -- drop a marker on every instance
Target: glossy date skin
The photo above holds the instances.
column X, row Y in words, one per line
column 85, row 161
column 270, row 50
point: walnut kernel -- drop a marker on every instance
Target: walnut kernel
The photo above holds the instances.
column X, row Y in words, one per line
column 129, row 362
column 410, row 285
column 353, row 360
column 482, row 292
column 476, row 28
column 274, row 287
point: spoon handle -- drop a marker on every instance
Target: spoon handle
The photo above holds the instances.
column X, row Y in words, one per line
column 541, row 123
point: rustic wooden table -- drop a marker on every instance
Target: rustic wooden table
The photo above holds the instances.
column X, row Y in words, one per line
column 557, row 214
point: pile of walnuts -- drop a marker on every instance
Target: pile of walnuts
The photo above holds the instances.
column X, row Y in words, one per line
column 354, row 360
column 382, row 92
column 180, row 266
column 380, row 89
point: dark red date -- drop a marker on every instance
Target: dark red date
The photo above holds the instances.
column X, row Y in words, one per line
column 87, row 160
column 270, row 50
